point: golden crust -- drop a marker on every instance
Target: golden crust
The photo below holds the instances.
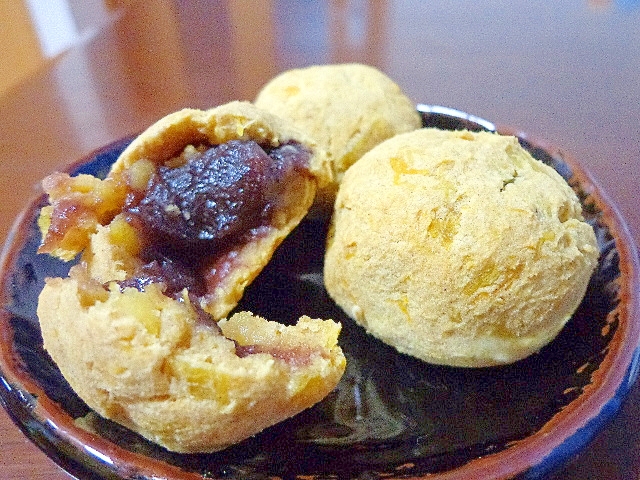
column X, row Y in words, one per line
column 458, row 248
column 235, row 120
column 168, row 137
column 165, row 140
column 347, row 108
column 143, row 360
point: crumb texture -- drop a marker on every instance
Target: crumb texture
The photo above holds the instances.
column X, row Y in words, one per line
column 347, row 108
column 458, row 248
column 139, row 328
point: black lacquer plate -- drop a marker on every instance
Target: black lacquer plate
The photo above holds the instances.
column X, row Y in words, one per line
column 391, row 416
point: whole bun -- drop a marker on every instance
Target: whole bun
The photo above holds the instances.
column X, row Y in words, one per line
column 458, row 248
column 347, row 108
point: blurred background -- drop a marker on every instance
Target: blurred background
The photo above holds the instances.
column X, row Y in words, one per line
column 33, row 32
column 82, row 73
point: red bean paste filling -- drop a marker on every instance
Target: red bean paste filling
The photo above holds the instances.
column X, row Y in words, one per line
column 192, row 213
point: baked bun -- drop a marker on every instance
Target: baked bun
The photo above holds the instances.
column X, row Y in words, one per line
column 229, row 250
column 346, row 108
column 458, row 248
column 148, row 362
column 188, row 215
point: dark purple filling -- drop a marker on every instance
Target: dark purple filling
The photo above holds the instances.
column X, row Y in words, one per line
column 191, row 213
column 174, row 274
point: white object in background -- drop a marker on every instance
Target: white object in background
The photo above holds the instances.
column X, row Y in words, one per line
column 55, row 25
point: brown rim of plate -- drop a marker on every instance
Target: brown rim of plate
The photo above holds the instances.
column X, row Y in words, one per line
column 612, row 377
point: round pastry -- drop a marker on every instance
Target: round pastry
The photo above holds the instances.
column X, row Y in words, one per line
column 204, row 196
column 188, row 215
column 458, row 248
column 347, row 108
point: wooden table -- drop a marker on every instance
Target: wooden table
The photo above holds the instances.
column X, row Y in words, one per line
column 565, row 72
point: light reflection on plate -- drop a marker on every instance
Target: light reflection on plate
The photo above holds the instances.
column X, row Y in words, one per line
column 391, row 415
